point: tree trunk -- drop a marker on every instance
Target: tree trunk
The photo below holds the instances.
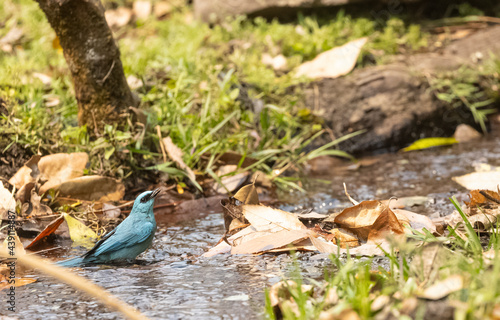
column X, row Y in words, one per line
column 93, row 57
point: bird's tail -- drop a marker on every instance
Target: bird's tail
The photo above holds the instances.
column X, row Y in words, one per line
column 73, row 262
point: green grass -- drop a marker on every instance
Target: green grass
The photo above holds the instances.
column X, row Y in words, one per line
column 201, row 86
column 412, row 266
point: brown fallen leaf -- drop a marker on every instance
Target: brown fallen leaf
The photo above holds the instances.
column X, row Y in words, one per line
column 18, row 282
column 49, row 229
column 416, row 221
column 61, row 167
column 427, row 261
column 142, row 9
column 175, row 153
column 12, row 37
column 482, row 198
column 278, row 62
column 162, row 8
column 268, row 219
column 119, row 17
column 281, row 296
column 271, row 241
column 385, row 225
column 360, row 218
column 247, row 195
column 487, row 180
column 7, row 201
column 343, row 238
column 27, row 173
column 482, row 221
column 334, row 62
column 230, row 183
column 336, row 314
column 45, row 79
column 443, row 288
column 236, row 225
column 110, row 211
column 92, row 188
column 489, row 255
column 282, row 291
column 380, row 302
column 24, row 194
column 35, row 207
column 12, row 244
column 405, row 202
column 232, row 212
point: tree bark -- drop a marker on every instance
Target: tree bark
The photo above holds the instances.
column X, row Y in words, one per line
column 93, row 58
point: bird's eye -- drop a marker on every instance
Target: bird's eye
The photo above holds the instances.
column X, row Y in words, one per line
column 144, row 199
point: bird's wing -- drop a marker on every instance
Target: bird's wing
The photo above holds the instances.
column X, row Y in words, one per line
column 116, row 241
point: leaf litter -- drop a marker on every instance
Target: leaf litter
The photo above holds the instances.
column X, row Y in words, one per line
column 363, row 229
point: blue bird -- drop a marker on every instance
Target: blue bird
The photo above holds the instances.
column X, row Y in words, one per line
column 129, row 239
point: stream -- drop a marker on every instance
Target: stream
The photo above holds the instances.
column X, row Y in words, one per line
column 172, row 281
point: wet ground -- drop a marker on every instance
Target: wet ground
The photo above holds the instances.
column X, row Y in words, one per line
column 173, row 282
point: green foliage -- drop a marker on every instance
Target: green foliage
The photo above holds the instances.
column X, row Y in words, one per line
column 358, row 281
column 460, row 87
column 205, row 87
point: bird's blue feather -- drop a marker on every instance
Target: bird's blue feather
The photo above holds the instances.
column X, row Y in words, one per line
column 128, row 240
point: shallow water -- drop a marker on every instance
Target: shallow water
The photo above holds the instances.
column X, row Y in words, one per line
column 173, row 282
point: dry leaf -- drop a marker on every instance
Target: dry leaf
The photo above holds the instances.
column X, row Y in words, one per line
column 49, row 229
column 232, row 212
column 333, row 63
column 10, row 39
column 336, row 314
column 271, row 241
column 175, row 153
column 360, row 218
column 142, row 9
column 27, row 173
column 230, row 183
column 235, row 225
column 247, row 195
column 7, row 202
column 110, row 211
column 416, row 221
column 18, row 282
column 279, row 62
column 281, row 291
column 12, row 241
column 482, row 198
column 61, row 167
column 405, row 202
column 135, row 83
column 489, row 255
column 93, row 188
column 162, row 8
column 482, row 221
column 443, row 288
column 428, row 261
column 46, row 80
column 24, row 194
column 380, row 302
column 35, row 207
column 385, row 225
column 119, row 17
column 272, row 220
column 480, row 180
column 344, row 238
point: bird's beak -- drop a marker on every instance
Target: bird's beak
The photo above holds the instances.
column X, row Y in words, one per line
column 154, row 193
